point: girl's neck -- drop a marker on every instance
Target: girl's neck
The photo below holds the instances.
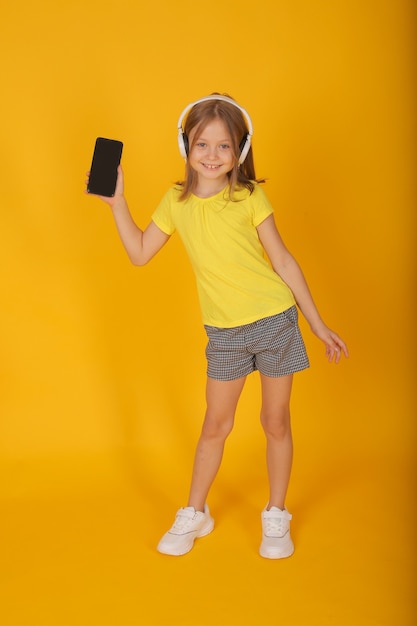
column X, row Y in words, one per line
column 207, row 190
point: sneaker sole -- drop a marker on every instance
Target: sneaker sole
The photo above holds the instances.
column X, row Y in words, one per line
column 279, row 553
column 188, row 541
column 275, row 555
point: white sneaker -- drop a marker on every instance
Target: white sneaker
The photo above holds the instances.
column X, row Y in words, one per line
column 189, row 525
column 276, row 538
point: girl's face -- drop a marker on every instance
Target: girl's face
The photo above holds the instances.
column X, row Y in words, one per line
column 211, row 156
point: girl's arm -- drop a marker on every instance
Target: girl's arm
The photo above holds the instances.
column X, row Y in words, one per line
column 288, row 269
column 140, row 245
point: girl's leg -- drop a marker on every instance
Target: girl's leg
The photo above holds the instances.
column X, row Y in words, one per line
column 275, row 419
column 222, row 398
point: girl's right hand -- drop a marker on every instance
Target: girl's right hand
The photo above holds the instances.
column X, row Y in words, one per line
column 119, row 191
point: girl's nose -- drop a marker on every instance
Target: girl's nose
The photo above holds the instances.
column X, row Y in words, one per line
column 212, row 152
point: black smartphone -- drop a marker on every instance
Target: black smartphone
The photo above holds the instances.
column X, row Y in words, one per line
column 103, row 171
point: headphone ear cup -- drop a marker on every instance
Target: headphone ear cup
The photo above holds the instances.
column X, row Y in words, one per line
column 242, row 144
column 183, row 144
column 186, row 144
column 244, row 148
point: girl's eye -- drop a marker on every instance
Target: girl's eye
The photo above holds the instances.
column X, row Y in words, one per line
column 224, row 146
column 201, row 144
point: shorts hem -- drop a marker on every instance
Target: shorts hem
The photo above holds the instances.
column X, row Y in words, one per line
column 269, row 375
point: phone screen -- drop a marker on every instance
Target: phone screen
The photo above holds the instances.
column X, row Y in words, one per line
column 103, row 171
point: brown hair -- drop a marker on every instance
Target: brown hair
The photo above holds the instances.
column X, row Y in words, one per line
column 197, row 119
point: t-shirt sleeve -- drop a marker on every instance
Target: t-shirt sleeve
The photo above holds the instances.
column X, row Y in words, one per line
column 262, row 207
column 162, row 216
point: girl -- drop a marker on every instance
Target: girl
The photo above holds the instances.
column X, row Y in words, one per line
column 248, row 304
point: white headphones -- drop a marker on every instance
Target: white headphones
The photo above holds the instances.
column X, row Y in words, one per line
column 244, row 144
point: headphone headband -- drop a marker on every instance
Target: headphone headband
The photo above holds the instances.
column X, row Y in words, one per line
column 183, row 140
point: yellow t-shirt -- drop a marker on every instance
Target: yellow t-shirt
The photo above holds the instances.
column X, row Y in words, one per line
column 236, row 284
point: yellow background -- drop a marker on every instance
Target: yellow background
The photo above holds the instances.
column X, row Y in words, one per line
column 102, row 365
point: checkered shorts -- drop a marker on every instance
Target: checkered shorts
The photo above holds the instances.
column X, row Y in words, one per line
column 273, row 345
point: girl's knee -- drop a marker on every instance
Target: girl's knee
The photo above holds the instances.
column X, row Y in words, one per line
column 276, row 423
column 217, row 426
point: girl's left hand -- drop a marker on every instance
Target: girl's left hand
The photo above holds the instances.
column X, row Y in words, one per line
column 334, row 344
